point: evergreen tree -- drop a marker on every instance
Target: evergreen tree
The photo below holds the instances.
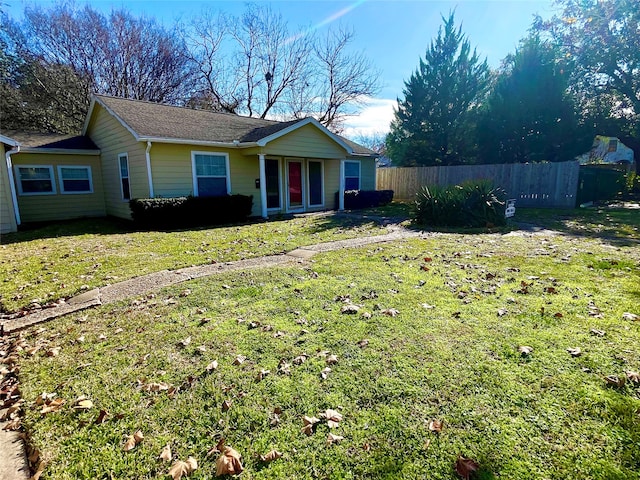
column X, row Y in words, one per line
column 432, row 123
column 529, row 117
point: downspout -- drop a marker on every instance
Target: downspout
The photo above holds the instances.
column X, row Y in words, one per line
column 149, row 176
column 12, row 185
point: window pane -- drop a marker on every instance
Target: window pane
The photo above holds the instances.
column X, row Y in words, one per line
column 76, row 185
column 273, row 183
column 351, row 169
column 352, row 183
column 210, row 165
column 315, row 183
column 37, row 186
column 212, row 187
column 126, row 193
column 35, row 173
column 74, row 173
column 124, row 167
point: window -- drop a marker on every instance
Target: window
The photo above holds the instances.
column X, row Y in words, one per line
column 75, row 179
column 35, row 179
column 123, row 163
column 316, row 190
column 351, row 175
column 210, row 174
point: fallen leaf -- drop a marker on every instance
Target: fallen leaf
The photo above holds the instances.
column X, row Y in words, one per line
column 558, row 315
column 83, row 403
column 217, row 448
column 185, row 341
column 165, row 455
column 102, row 417
column 102, row 337
column 633, row 376
column 331, row 439
column 299, row 360
column 226, row 405
column 436, row 425
column 201, row 348
column 465, row 467
column 525, row 350
column 271, row 456
column 52, row 406
column 212, row 366
column 598, row 333
column 363, row 343
column 133, row 440
column 502, row 312
column 53, row 352
column 332, row 360
column 365, row 315
column 182, row 469
column 427, row 306
column 325, row 373
column 228, row 463
column 349, row 309
column 261, row 374
column 390, row 312
column 574, row 352
column 615, row 381
column 630, row 316
column 185, row 293
column 239, row 360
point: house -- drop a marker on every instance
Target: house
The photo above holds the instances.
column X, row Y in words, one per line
column 8, row 211
column 136, row 149
column 607, row 150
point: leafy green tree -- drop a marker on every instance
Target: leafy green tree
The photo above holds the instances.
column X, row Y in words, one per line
column 434, row 121
column 602, row 39
column 529, row 115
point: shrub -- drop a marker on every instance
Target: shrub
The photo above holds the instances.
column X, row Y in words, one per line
column 354, row 199
column 472, row 204
column 190, row 211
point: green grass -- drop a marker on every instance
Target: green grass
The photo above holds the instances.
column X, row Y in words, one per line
column 546, row 416
column 57, row 261
column 611, row 223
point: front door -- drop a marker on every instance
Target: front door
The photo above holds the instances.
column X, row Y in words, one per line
column 294, row 186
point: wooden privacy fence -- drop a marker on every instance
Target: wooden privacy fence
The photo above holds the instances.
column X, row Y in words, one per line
column 531, row 184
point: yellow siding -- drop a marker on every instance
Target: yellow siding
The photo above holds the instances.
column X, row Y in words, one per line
column 42, row 208
column 7, row 215
column 331, row 183
column 113, row 139
column 173, row 177
column 306, row 142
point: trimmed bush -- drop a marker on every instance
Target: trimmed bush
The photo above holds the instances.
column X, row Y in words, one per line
column 354, row 199
column 190, row 211
column 471, row 204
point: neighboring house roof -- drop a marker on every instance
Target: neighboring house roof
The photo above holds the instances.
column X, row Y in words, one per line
column 53, row 142
column 149, row 121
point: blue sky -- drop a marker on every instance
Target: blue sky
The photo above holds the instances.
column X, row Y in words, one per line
column 393, row 34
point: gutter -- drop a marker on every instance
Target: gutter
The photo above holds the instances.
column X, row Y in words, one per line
column 12, row 184
column 149, row 176
column 184, row 141
column 59, row 151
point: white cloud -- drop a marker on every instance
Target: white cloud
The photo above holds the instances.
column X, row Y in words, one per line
column 374, row 118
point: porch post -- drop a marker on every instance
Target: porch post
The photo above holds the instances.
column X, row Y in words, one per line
column 341, row 190
column 263, row 185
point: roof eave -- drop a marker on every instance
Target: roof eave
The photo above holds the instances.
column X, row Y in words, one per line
column 60, row 151
column 95, row 100
column 186, row 141
column 306, row 121
column 9, row 141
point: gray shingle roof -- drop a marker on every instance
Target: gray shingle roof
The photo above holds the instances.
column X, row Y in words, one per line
column 154, row 120
column 51, row 140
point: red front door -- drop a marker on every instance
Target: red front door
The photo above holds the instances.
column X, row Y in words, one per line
column 294, row 169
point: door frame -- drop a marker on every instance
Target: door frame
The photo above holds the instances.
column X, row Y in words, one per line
column 302, row 207
column 280, row 207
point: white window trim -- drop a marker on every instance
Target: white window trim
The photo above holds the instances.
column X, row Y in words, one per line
column 279, row 207
column 128, row 177
column 359, row 173
column 195, row 177
column 75, row 167
column 315, row 205
column 19, row 180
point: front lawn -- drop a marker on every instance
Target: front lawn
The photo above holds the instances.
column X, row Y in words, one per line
column 60, row 260
column 447, row 317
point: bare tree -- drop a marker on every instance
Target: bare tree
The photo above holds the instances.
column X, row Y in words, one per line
column 121, row 55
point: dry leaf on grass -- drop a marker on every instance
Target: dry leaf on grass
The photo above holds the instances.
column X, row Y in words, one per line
column 332, row 360
column 226, row 405
column 183, row 469
column 82, row 403
column 363, row 343
column 350, row 309
column 615, row 381
column 228, row 463
column 524, row 350
column 465, row 467
column 436, row 425
column 630, row 316
column 502, row 312
column 333, row 417
column 53, row 352
column 271, row 456
column 597, row 333
column 574, row 352
column 52, row 406
column 165, row 455
column 185, row 342
column 132, row 441
column 239, row 360
column 331, row 439
column 212, row 366
column 309, row 424
column 102, row 417
column 262, row 374
column 325, row 373
column 390, row 312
